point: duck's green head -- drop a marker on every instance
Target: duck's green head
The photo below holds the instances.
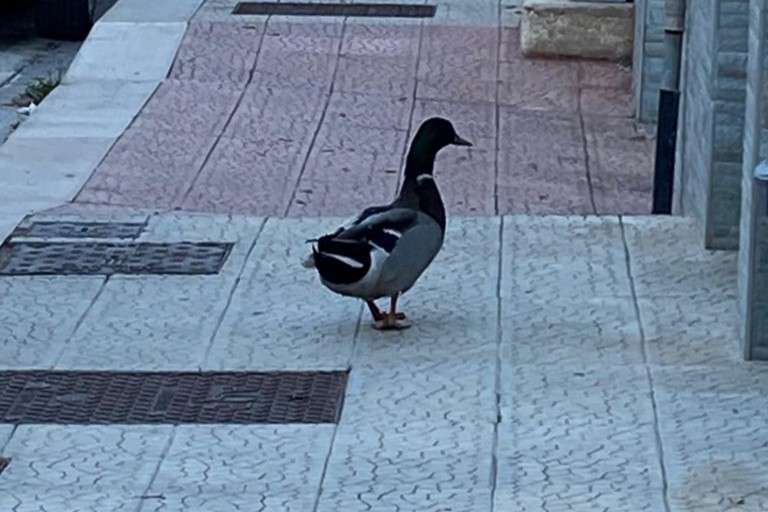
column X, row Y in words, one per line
column 436, row 133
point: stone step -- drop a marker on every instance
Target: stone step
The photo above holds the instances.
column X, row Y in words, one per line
column 573, row 28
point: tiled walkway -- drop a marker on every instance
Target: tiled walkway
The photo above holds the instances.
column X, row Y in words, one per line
column 298, row 119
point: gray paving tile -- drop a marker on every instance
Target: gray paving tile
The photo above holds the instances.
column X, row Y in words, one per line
column 81, row 468
column 241, row 468
column 38, row 316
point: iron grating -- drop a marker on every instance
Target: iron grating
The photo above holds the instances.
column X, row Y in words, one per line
column 107, row 258
column 83, row 397
column 336, row 9
column 76, row 229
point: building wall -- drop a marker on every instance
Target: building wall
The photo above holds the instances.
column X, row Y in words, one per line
column 753, row 248
column 712, row 124
column 647, row 61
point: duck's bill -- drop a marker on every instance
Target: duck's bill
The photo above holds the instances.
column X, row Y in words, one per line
column 461, row 142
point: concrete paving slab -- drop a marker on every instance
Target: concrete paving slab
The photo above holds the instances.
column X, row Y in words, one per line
column 149, row 11
column 129, row 51
column 81, row 468
column 267, row 326
column 234, row 467
column 39, row 315
column 578, row 439
column 91, row 109
column 155, row 330
column 536, row 268
column 51, row 168
column 712, row 431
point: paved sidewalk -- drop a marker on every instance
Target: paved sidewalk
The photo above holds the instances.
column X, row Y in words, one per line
column 578, row 364
column 557, row 361
column 273, row 116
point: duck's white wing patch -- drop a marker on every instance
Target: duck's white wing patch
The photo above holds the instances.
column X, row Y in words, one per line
column 350, row 262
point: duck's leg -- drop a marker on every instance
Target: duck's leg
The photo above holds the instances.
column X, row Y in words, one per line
column 377, row 314
column 389, row 321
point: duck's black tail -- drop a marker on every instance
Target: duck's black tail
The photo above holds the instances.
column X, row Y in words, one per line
column 341, row 261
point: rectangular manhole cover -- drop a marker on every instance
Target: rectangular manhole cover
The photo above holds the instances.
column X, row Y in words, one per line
column 336, row 9
column 105, row 258
column 76, row 229
column 82, row 397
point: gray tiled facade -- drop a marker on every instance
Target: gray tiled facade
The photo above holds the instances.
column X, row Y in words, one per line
column 712, row 122
column 753, row 254
column 647, row 60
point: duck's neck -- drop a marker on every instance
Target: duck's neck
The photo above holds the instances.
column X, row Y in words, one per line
column 419, row 189
column 420, row 160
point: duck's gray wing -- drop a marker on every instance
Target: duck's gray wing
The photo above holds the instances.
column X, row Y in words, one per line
column 410, row 256
column 382, row 227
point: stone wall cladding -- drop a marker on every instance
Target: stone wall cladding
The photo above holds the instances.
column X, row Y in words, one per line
column 753, row 253
column 647, row 59
column 713, row 119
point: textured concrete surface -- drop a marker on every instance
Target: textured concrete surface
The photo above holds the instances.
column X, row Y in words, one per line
column 554, row 362
column 711, row 135
column 564, row 28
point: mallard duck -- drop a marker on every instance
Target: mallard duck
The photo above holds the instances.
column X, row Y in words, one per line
column 385, row 249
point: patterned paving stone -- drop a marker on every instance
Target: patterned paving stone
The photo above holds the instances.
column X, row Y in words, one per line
column 38, row 315
column 155, row 330
column 242, row 467
column 89, row 468
column 577, row 439
column 280, row 317
column 711, row 423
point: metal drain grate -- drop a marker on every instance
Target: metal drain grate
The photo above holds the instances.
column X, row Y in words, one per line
column 4, row 463
column 56, row 229
column 336, row 9
column 105, row 258
column 80, row 397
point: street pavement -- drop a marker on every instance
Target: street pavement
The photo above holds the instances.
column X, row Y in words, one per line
column 25, row 58
column 568, row 350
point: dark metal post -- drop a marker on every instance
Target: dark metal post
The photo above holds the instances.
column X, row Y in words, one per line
column 669, row 102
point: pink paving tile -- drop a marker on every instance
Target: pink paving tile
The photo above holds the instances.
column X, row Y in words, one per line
column 458, row 64
column 534, row 163
column 217, row 52
column 475, row 122
column 616, row 133
column 554, row 99
column 268, row 116
column 605, row 74
column 454, row 44
column 621, row 165
column 457, row 88
column 188, row 106
column 535, row 197
column 295, row 70
column 509, row 50
column 382, row 41
column 466, row 180
column 283, row 28
column 376, row 75
column 243, row 177
column 147, row 168
column 541, row 129
column 606, row 101
column 342, row 197
column 539, row 73
column 352, row 111
column 361, row 152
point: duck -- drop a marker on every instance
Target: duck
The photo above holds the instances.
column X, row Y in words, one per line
column 385, row 249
